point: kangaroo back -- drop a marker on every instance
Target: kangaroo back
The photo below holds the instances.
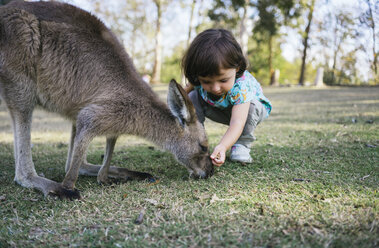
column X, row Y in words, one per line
column 78, row 60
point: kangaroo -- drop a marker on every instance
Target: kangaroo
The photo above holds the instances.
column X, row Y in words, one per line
column 64, row 59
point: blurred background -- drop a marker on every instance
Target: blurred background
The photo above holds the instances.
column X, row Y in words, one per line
column 287, row 42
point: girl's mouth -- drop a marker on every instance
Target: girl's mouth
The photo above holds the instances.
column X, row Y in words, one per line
column 214, row 97
column 218, row 94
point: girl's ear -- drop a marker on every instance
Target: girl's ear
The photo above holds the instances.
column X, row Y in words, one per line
column 197, row 82
column 238, row 72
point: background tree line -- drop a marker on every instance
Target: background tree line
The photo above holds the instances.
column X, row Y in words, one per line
column 292, row 38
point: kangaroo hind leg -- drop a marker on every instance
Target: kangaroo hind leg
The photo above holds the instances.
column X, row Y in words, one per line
column 25, row 173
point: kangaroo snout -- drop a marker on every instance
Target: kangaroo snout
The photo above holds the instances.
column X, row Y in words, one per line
column 203, row 171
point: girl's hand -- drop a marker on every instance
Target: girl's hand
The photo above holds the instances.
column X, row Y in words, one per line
column 218, row 155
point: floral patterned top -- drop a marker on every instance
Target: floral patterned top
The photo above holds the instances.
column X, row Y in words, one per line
column 245, row 89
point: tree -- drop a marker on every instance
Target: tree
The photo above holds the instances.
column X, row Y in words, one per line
column 126, row 20
column 161, row 5
column 4, row 2
column 310, row 6
column 129, row 22
column 343, row 30
column 227, row 14
column 272, row 15
column 191, row 25
column 369, row 19
column 244, row 32
column 189, row 37
column 337, row 35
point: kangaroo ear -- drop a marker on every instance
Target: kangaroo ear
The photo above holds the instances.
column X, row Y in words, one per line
column 180, row 104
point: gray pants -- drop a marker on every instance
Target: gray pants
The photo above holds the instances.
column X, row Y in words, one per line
column 257, row 113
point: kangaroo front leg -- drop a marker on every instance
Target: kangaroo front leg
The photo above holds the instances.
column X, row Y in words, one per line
column 102, row 176
column 78, row 157
column 70, row 148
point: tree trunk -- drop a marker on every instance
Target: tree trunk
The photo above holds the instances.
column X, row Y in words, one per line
column 271, row 70
column 319, row 77
column 184, row 80
column 275, row 78
column 244, row 37
column 305, row 43
column 337, row 45
column 375, row 61
column 156, row 77
column 191, row 22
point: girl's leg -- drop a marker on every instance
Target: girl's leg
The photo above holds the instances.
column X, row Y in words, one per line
column 240, row 151
column 257, row 113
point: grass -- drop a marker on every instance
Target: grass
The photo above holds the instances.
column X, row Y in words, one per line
column 313, row 183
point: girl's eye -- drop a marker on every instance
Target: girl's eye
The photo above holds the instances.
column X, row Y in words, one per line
column 224, row 80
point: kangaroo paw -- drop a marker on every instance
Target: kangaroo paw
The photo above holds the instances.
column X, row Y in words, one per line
column 48, row 187
column 143, row 176
column 151, row 179
column 111, row 181
column 63, row 193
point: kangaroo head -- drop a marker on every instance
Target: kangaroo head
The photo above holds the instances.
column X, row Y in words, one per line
column 191, row 148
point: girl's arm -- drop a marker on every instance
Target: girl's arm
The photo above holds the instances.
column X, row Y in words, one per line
column 237, row 123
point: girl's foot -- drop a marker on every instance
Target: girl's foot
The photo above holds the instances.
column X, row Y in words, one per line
column 240, row 153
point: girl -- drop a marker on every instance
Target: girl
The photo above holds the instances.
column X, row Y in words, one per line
column 222, row 90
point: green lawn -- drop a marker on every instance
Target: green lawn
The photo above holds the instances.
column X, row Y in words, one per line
column 313, row 183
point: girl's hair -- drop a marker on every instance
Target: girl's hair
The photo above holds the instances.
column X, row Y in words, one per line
column 210, row 51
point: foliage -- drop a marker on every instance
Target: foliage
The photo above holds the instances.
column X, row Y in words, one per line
column 3, row 2
column 343, row 34
column 272, row 15
column 171, row 68
column 370, row 19
column 289, row 71
column 131, row 24
column 313, row 183
column 343, row 78
column 258, row 59
column 225, row 13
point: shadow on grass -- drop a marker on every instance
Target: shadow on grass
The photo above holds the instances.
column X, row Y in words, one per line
column 341, row 165
column 297, row 195
column 49, row 159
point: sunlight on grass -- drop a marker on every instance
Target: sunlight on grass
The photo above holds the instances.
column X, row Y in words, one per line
column 313, row 183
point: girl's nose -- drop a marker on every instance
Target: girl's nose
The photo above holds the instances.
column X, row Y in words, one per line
column 216, row 88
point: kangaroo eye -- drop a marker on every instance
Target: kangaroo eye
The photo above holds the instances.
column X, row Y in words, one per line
column 203, row 148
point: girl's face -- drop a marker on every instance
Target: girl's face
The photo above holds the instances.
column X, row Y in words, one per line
column 220, row 84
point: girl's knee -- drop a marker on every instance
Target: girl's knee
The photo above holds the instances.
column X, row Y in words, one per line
column 257, row 112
